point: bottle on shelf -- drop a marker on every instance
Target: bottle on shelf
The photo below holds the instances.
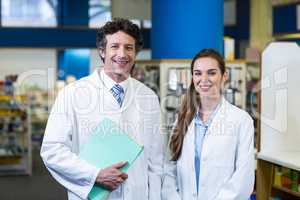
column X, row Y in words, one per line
column 278, row 175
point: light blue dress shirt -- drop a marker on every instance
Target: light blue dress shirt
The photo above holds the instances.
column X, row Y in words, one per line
column 200, row 131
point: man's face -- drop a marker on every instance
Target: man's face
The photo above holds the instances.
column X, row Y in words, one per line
column 119, row 55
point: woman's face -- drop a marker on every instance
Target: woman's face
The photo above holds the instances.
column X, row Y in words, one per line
column 207, row 77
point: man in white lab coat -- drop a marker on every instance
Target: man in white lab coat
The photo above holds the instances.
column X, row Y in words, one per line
column 108, row 92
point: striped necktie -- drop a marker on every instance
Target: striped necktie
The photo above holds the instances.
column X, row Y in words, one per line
column 118, row 93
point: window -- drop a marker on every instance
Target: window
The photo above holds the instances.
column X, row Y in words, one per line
column 99, row 12
column 33, row 13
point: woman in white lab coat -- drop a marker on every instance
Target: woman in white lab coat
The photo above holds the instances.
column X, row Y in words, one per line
column 211, row 150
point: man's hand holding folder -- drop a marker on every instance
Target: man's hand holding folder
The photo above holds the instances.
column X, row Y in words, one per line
column 112, row 146
column 111, row 177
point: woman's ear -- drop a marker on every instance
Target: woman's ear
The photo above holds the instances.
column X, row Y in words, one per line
column 225, row 76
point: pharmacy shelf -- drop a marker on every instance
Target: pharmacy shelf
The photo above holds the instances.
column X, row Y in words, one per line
column 286, row 190
column 15, row 137
column 9, row 98
column 10, row 113
column 174, row 79
column 15, row 165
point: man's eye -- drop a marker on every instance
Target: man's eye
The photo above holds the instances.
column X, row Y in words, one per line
column 130, row 48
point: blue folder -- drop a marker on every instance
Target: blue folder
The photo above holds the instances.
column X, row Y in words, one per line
column 108, row 145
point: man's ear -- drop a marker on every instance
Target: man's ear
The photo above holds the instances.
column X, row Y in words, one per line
column 102, row 53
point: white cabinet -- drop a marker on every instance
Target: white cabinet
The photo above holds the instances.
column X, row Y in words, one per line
column 280, row 122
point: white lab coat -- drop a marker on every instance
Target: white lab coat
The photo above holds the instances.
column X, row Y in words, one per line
column 227, row 160
column 77, row 110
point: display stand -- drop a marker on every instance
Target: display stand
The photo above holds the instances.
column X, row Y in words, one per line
column 280, row 122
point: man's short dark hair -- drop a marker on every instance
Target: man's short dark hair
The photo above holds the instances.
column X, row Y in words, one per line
column 116, row 25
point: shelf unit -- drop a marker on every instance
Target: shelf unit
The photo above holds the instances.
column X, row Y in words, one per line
column 287, row 191
column 175, row 77
column 39, row 107
column 279, row 121
column 155, row 74
column 265, row 179
column 235, row 87
column 147, row 71
column 15, row 137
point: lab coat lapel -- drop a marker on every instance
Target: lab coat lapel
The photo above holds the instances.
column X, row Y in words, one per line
column 218, row 121
column 129, row 96
column 129, row 113
column 108, row 105
column 217, row 127
column 190, row 147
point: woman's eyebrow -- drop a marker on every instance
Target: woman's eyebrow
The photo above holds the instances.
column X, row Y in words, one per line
column 212, row 70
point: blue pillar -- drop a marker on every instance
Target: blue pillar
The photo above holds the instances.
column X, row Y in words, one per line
column 181, row 28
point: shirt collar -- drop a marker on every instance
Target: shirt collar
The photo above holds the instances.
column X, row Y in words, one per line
column 198, row 119
column 109, row 82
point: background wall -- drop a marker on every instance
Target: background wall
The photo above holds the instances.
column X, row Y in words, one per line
column 19, row 61
column 132, row 9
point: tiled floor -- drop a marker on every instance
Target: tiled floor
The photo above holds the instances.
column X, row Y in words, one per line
column 39, row 186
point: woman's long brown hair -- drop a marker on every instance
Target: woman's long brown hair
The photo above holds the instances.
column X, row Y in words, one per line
column 190, row 103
